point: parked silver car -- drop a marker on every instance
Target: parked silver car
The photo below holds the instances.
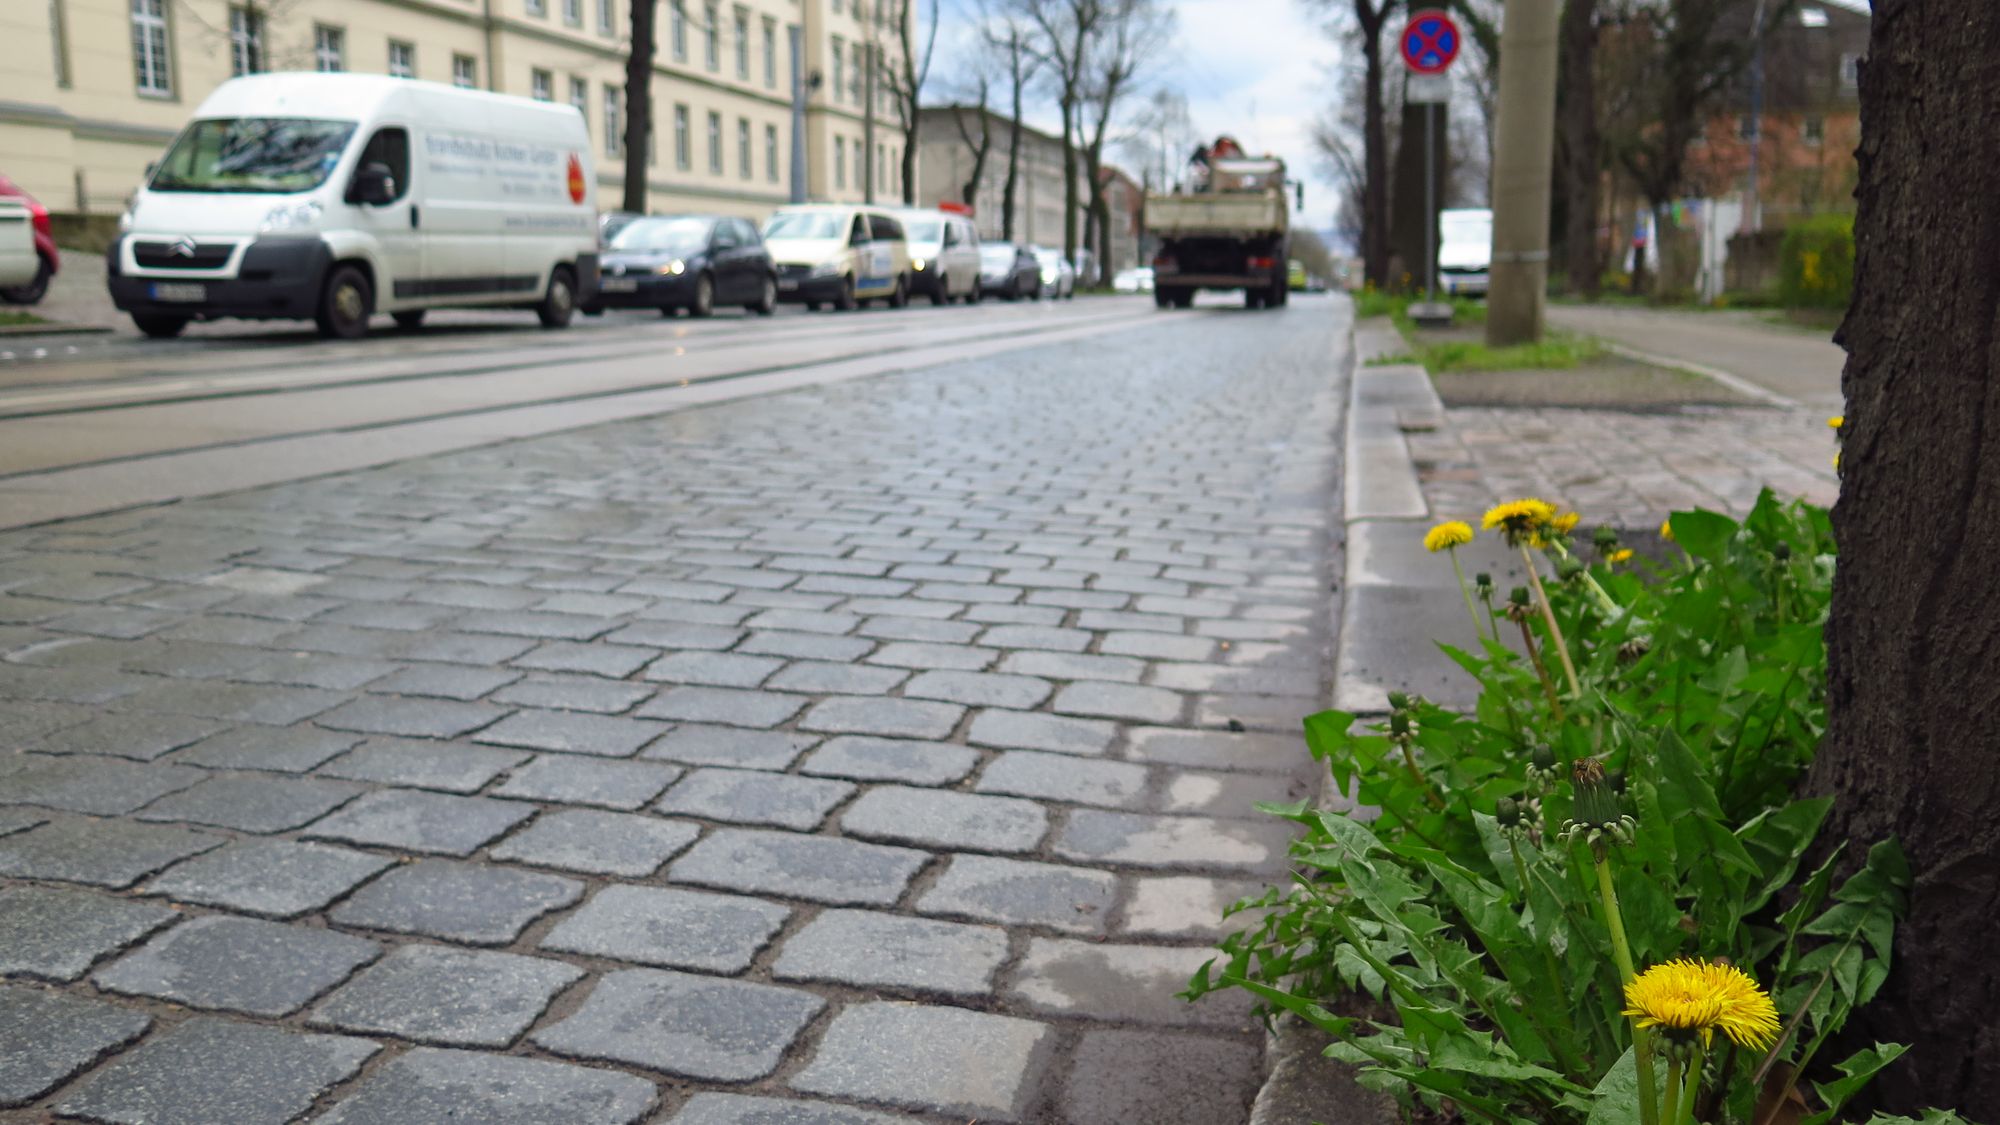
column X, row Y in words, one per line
column 1058, row 276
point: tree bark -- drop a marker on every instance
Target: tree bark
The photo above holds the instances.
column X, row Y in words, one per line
column 1375, row 143
column 1017, row 62
column 1581, row 145
column 1914, row 635
column 639, row 104
column 969, row 191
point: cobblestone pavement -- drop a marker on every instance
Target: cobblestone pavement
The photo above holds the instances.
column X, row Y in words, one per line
column 882, row 752
column 1621, row 468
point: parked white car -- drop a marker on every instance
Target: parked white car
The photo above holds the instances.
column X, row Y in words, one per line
column 337, row 196
column 1138, row 279
column 1465, row 251
column 944, row 255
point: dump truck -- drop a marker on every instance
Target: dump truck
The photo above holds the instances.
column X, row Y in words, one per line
column 1226, row 227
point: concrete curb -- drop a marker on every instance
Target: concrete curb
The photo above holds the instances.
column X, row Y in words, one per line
column 19, row 330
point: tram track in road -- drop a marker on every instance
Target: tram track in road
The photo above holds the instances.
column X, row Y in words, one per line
column 104, row 459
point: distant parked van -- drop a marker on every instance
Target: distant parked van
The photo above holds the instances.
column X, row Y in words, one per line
column 839, row 254
column 1465, row 251
column 333, row 197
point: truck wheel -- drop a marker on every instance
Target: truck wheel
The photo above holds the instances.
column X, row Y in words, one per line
column 1253, row 298
column 160, row 326
column 410, row 321
column 558, row 303
column 344, row 304
column 1162, row 299
column 1183, row 298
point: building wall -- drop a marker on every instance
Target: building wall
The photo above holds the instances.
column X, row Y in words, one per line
column 945, row 160
column 77, row 130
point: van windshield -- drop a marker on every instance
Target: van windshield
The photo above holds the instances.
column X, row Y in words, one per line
column 679, row 237
column 253, row 154
column 1466, row 228
column 806, row 224
column 923, row 230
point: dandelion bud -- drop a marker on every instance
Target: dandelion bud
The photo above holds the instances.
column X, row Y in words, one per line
column 1569, row 569
column 1634, row 648
column 1484, row 582
column 1606, row 539
column 1518, row 596
column 1782, row 552
column 1543, row 758
column 1596, row 814
column 1398, row 701
column 1507, row 811
column 1399, row 724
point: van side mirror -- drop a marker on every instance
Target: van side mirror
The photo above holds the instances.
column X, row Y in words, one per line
column 152, row 166
column 374, row 185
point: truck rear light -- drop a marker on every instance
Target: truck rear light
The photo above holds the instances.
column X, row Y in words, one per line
column 1263, row 263
column 1163, row 263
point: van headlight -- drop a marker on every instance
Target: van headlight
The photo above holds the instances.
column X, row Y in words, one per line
column 826, row 269
column 675, row 267
column 125, row 220
column 917, row 264
column 290, row 216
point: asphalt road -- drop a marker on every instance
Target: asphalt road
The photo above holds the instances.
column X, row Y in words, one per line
column 881, row 745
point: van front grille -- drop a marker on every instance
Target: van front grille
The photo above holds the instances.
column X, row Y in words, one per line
column 182, row 255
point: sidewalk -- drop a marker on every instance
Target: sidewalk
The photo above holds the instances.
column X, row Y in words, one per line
column 1799, row 366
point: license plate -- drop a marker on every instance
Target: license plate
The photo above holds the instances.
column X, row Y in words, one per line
column 788, row 284
column 618, row 285
column 179, row 291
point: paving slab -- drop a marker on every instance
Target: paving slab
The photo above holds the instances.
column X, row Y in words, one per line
column 107, row 853
column 863, row 949
column 565, row 779
column 90, row 784
column 710, row 1108
column 671, row 928
column 281, row 749
column 940, row 819
column 55, row 933
column 463, row 902
column 705, row 745
column 754, row 797
column 210, row 1070
column 728, row 706
column 272, row 878
column 47, row 1037
column 597, row 843
column 821, row 869
column 1186, row 907
column 241, row 965
column 889, row 717
column 1061, row 777
column 433, row 1086
column 863, row 758
column 691, row 1026
column 422, row 822
column 414, row 718
column 1023, row 730
column 1119, row 1077
column 424, row 764
column 921, row 1057
column 253, row 802
column 1020, row 893
column 446, row 997
column 1195, row 842
column 1121, row 984
column 142, row 737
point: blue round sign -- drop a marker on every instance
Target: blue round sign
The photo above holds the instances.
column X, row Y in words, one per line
column 1430, row 42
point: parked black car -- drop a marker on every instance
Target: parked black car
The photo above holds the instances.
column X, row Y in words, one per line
column 692, row 262
column 1010, row 270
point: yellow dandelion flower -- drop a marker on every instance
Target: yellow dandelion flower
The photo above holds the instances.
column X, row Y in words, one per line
column 1837, row 421
column 1451, row 533
column 1621, row 555
column 1520, row 519
column 1667, row 529
column 1685, row 999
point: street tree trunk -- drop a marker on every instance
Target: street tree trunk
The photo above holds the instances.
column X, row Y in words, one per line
column 1914, row 636
column 1580, row 146
column 1019, row 65
column 1371, row 15
column 980, row 148
column 639, row 104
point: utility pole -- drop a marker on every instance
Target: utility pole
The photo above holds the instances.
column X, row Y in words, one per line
column 1524, row 149
column 797, row 35
column 871, row 60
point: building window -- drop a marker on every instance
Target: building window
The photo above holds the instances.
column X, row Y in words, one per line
column 1850, row 72
column 59, row 40
column 839, row 162
column 535, row 7
column 860, row 162
column 743, row 162
column 329, row 49
column 715, row 144
column 881, row 166
column 607, row 22
column 1746, row 127
column 771, row 153
column 1813, row 130
column 246, row 41
column 541, row 85
column 579, row 96
column 402, row 60
column 742, row 44
column 151, row 66
column 464, row 72
column 839, row 85
column 854, row 78
column 677, row 18
column 572, row 11
column 836, row 7
column 711, row 37
column 614, row 121
column 682, row 158
column 770, row 52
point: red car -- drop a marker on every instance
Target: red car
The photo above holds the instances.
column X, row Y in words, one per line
column 45, row 248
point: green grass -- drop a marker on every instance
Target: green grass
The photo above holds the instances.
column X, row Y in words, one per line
column 9, row 318
column 1555, row 351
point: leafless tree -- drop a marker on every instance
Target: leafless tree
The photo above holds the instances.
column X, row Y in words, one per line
column 639, row 103
column 1065, row 32
column 972, row 116
column 905, row 77
column 1011, row 36
column 1366, row 20
column 1132, row 34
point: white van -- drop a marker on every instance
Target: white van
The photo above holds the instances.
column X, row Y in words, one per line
column 18, row 260
column 335, row 196
column 944, row 254
column 1465, row 251
column 839, row 254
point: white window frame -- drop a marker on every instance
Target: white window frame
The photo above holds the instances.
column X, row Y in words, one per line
column 858, row 93
column 715, row 162
column 839, row 83
column 677, row 21
column 329, row 48
column 541, row 84
column 711, row 36
column 152, row 49
column 579, row 96
column 683, row 143
column 614, row 121
column 746, row 163
column 770, row 53
column 572, row 13
column 538, row 8
column 839, row 164
column 771, row 153
column 1850, row 72
column 409, row 68
column 607, row 17
column 465, row 72
column 246, row 40
column 740, row 23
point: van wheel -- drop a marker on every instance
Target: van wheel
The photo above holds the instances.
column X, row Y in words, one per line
column 410, row 321
column 344, row 304
column 160, row 326
column 558, row 304
column 704, row 297
column 845, row 302
column 767, row 299
column 901, row 296
column 977, row 295
column 941, row 295
column 35, row 289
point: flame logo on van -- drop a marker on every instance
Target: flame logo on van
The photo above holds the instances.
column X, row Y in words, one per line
column 575, row 179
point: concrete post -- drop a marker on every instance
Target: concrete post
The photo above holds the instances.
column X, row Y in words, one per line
column 797, row 36
column 1523, row 152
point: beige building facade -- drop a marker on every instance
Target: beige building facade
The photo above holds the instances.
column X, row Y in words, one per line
column 91, row 91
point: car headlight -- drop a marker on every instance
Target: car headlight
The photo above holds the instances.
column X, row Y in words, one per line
column 917, row 264
column 675, row 267
column 290, row 216
column 826, row 269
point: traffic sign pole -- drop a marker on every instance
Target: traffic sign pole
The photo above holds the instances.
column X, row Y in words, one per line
column 1429, row 44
